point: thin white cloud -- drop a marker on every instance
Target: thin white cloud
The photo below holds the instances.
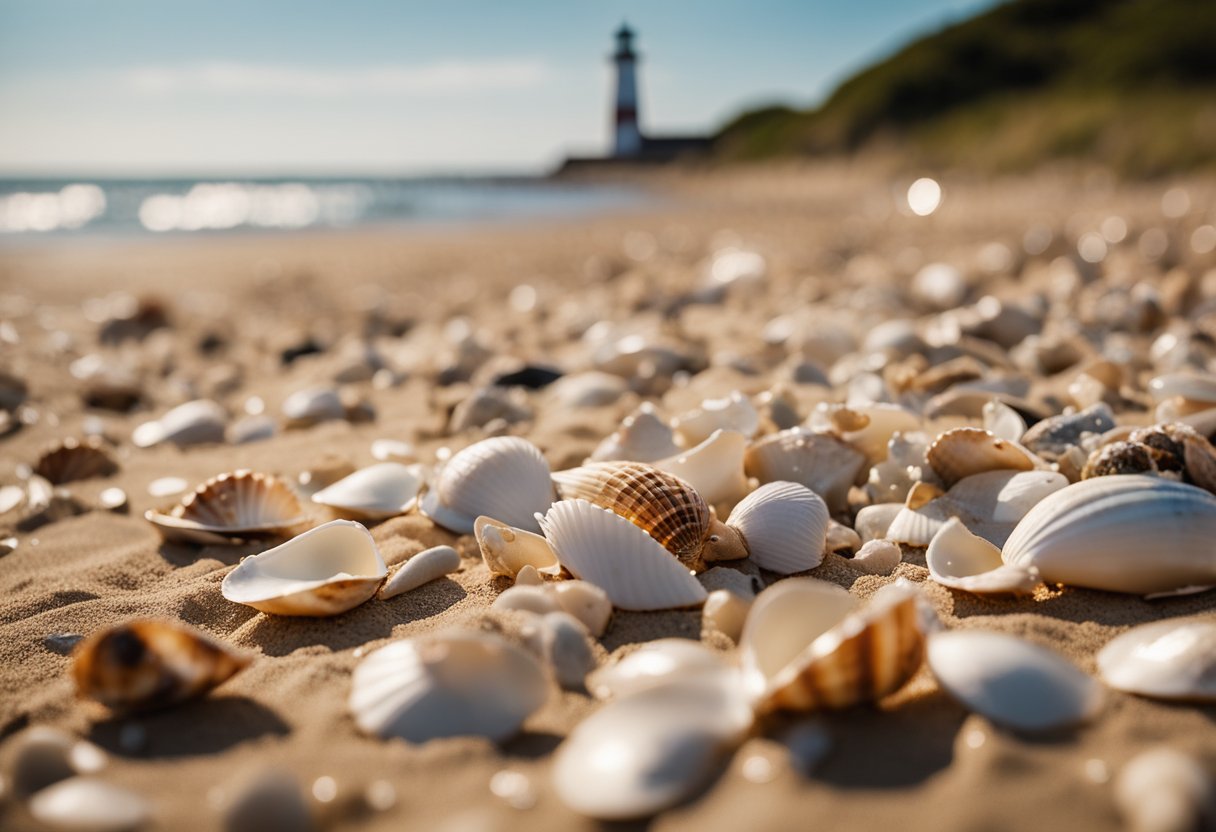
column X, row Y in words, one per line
column 443, row 78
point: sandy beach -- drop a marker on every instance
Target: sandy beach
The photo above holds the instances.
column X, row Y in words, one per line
column 837, row 254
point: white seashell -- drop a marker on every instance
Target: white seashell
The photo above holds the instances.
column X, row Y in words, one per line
column 457, row 684
column 42, row 755
column 88, row 804
column 841, row 537
column 1128, row 533
column 11, row 496
column 375, row 493
column 878, row 557
column 424, row 567
column 726, row 612
column 965, row 452
column 232, row 506
column 620, row 558
column 507, row 550
column 589, row 389
column 324, row 571
column 1011, row 681
column 250, row 429
column 393, row 450
column 653, row 664
column 191, row 423
column 504, row 477
column 642, row 437
column 528, row 576
column 872, row 522
column 586, row 602
column 1189, row 386
column 826, row 465
column 961, row 560
column 735, row 412
column 785, row 526
column 867, row 427
column 160, row 487
column 1173, row 659
column 1003, row 421
column 1164, row 790
column 714, row 468
column 313, row 405
column 643, row 753
column 521, row 598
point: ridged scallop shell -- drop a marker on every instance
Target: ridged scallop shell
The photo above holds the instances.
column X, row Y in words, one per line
column 735, row 412
column 506, row 549
column 151, row 663
column 75, row 459
column 821, row 462
column 1124, row 534
column 1173, row 659
column 374, row 493
column 191, row 423
column 504, row 477
column 604, row 548
column 642, row 437
column 655, row 663
column 784, row 526
column 233, row 506
column 963, row 452
column 324, row 571
column 805, row 645
column 961, row 560
column 714, row 468
column 449, row 685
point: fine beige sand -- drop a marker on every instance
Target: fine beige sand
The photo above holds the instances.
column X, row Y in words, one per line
column 835, row 246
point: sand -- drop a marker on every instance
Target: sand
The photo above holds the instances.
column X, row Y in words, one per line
column 832, row 239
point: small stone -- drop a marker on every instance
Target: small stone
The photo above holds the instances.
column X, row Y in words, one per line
column 113, row 499
column 878, row 557
column 167, row 486
column 62, row 643
column 424, row 567
column 726, row 612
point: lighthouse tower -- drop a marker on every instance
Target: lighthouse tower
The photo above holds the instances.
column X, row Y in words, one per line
column 627, row 136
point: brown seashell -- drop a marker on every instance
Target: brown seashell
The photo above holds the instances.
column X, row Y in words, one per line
column 150, row 664
column 239, row 504
column 1171, row 450
column 1119, row 458
column 75, row 459
column 661, row 504
column 961, row 452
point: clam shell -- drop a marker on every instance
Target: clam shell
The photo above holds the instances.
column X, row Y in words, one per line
column 642, row 437
column 450, row 685
column 804, row 646
column 964, row 452
column 1003, row 421
column 1173, row 659
column 735, row 412
column 961, row 560
column 1011, row 681
column 1190, row 386
column 821, row 462
column 653, row 664
column 324, row 571
column 504, row 477
column 1124, row 534
column 192, row 423
column 424, row 567
column 375, row 493
column 75, row 459
column 506, row 550
column 240, row 504
column 150, row 663
column 714, row 468
column 312, row 405
column 606, row 549
column 785, row 526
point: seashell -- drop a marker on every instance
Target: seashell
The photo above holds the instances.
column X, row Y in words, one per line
column 375, row 493
column 1012, row 682
column 640, row 754
column 250, row 429
column 503, row 477
column 964, row 452
column 234, row 506
column 150, row 664
column 589, row 389
column 528, row 576
column 424, row 567
column 324, row 571
column 841, row 538
column 534, row 599
column 489, row 404
column 312, row 405
column 655, row 663
column 735, row 412
column 890, row 480
column 821, row 462
column 878, row 557
column 1123, row 534
column 642, row 437
column 783, row 525
column 393, row 450
column 804, row 646
column 270, row 800
column 586, row 602
column 1119, row 458
column 609, row 551
column 1164, row 790
column 507, row 550
column 726, row 612
column 872, row 522
column 88, row 804
column 961, row 560
column 1173, row 659
column 1053, row 437
column 11, row 496
column 1197, row 388
column 192, row 423
column 868, row 428
column 565, row 644
column 42, row 756
column 778, row 408
column 74, row 459
column 449, row 685
column 664, row 506
column 714, row 468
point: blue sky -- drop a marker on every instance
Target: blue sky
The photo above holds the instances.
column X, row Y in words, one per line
column 382, row 86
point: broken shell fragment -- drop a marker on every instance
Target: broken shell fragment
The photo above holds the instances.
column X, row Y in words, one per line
column 424, row 567
column 961, row 560
column 735, row 412
column 784, row 526
column 963, row 452
column 878, row 557
column 150, row 663
column 192, row 423
column 374, row 493
column 714, row 468
column 74, row 459
column 655, row 663
column 503, row 477
column 507, row 550
column 230, row 507
column 1172, row 659
column 642, row 437
column 324, row 571
column 537, row 600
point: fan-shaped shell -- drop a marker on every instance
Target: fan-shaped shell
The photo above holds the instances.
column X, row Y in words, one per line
column 964, row 452
column 1173, row 659
column 506, row 550
column 784, row 525
column 1124, row 534
column 504, row 477
column 150, row 663
column 191, row 423
column 735, row 412
column 823, row 463
column 450, row 685
column 961, row 560
column 642, row 437
column 606, row 549
column 714, row 468
column 75, row 459
column 232, row 506
column 374, row 493
column 324, row 571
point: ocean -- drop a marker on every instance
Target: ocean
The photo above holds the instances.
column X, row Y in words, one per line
column 72, row 207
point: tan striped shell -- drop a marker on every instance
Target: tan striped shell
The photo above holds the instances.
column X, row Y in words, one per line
column 75, row 459
column 242, row 501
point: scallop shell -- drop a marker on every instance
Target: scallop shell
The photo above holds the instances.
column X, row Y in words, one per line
column 1011, row 681
column 804, row 646
column 233, row 506
column 784, row 526
column 961, row 560
column 150, row 664
column 375, row 493
column 606, row 549
column 655, row 663
column 75, row 459
column 664, row 506
column 324, row 571
column 735, row 412
column 192, row 423
column 450, row 685
column 964, row 452
column 821, row 462
column 424, row 567
column 1124, row 534
column 642, row 437
column 714, row 468
column 504, row 477
column 506, row 550
column 1173, row 659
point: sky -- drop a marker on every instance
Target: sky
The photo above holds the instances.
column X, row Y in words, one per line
column 247, row 87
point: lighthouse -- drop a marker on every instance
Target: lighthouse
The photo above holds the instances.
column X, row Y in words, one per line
column 627, row 136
